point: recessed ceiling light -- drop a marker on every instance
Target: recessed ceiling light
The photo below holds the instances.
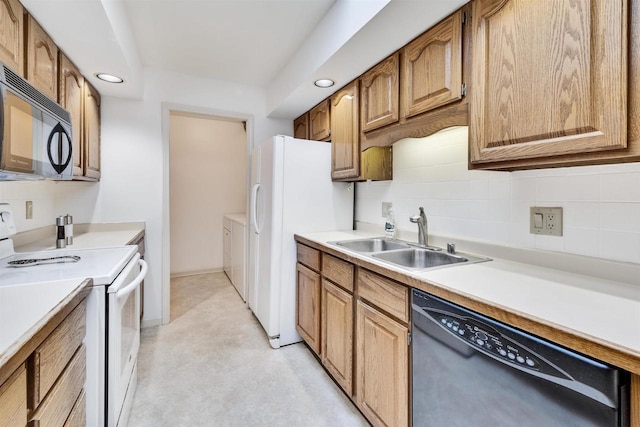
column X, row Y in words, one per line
column 324, row 83
column 109, row 78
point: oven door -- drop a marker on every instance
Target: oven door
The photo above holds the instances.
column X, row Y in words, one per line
column 123, row 306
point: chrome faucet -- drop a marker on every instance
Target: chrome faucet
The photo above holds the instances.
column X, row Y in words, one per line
column 423, row 230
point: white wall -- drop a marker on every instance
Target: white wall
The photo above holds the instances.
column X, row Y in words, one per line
column 208, row 165
column 601, row 203
column 133, row 163
column 50, row 199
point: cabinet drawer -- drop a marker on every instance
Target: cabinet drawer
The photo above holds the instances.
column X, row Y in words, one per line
column 50, row 359
column 384, row 293
column 59, row 403
column 13, row 399
column 78, row 415
column 309, row 257
column 338, row 271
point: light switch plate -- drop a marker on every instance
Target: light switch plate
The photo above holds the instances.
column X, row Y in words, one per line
column 545, row 221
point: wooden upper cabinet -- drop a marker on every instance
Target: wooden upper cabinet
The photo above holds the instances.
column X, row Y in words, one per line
column 432, row 68
column 42, row 59
column 345, row 141
column 12, row 35
column 380, row 93
column 547, row 81
column 91, row 132
column 320, row 122
column 70, row 88
column 301, row 127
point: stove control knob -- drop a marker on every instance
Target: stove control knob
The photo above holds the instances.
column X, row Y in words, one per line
column 502, row 352
column 511, row 356
column 530, row 362
column 520, row 359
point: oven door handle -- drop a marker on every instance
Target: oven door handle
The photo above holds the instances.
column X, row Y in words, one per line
column 123, row 292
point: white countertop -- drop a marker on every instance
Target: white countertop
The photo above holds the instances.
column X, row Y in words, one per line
column 602, row 310
column 85, row 237
column 25, row 309
column 240, row 218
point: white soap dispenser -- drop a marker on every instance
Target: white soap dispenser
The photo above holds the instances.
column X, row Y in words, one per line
column 390, row 226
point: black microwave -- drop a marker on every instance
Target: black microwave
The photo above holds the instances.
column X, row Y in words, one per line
column 35, row 132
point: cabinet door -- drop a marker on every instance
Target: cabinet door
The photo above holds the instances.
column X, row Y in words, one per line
column 547, row 80
column 12, row 35
column 382, row 390
column 91, row 132
column 308, row 309
column 345, row 142
column 42, row 60
column 320, row 122
column 13, row 399
column 380, row 94
column 337, row 334
column 432, row 68
column 301, row 127
column 70, row 89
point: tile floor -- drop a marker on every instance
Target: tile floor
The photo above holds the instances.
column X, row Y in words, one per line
column 212, row 366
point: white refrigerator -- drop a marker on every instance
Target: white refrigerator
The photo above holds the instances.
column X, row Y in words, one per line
column 291, row 192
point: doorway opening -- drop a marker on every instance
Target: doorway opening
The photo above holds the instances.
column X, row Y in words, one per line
column 207, row 170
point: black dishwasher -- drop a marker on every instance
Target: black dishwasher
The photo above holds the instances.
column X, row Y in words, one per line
column 470, row 370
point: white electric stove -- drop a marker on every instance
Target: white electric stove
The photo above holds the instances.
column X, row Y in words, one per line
column 113, row 313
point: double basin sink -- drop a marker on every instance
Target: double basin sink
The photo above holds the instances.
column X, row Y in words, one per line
column 407, row 255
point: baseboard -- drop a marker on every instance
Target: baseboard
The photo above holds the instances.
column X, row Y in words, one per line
column 150, row 323
column 196, row 273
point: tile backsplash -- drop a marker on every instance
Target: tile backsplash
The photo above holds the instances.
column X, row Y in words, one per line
column 601, row 204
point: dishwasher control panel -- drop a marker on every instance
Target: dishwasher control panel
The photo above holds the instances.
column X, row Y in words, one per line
column 489, row 340
column 486, row 336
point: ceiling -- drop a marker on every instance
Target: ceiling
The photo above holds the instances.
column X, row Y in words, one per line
column 280, row 46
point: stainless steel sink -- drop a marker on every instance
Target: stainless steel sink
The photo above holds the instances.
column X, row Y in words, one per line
column 407, row 255
column 372, row 245
column 419, row 258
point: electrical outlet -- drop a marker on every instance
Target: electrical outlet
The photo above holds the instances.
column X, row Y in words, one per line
column 545, row 221
column 29, row 209
column 386, row 207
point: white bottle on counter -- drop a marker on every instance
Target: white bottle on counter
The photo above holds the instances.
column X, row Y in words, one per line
column 390, row 226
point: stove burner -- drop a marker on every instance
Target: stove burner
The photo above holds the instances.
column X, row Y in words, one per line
column 40, row 261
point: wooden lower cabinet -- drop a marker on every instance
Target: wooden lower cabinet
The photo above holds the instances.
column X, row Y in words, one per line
column 60, row 402
column 308, row 308
column 47, row 388
column 382, row 358
column 13, row 399
column 337, row 334
column 635, row 400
